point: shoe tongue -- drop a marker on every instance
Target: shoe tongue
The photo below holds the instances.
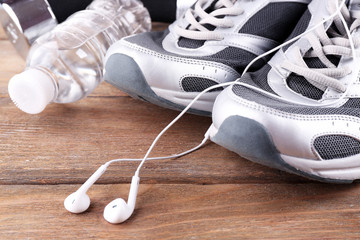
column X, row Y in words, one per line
column 302, row 86
column 192, row 43
column 298, row 83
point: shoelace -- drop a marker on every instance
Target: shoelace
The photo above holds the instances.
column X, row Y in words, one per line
column 198, row 17
column 322, row 45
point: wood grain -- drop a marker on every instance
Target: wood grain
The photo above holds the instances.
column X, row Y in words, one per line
column 210, row 194
column 105, row 128
column 10, row 64
column 248, row 211
column 2, row 33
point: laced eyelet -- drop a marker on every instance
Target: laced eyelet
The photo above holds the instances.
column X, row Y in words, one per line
column 198, row 18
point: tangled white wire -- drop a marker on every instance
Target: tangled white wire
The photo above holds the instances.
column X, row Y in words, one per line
column 146, row 157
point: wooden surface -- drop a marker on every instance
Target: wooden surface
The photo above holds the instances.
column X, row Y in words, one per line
column 210, row 194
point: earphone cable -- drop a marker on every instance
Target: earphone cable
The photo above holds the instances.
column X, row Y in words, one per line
column 337, row 12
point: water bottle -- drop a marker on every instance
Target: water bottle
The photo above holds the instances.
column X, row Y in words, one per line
column 66, row 64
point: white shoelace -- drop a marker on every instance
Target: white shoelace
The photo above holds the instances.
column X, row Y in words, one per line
column 343, row 41
column 198, row 17
column 322, row 45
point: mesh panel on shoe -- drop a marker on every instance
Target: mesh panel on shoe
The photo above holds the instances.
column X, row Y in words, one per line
column 267, row 101
column 336, row 146
column 300, row 27
column 236, row 58
column 352, row 103
column 197, row 84
column 275, row 21
column 300, row 85
column 149, row 40
column 233, row 57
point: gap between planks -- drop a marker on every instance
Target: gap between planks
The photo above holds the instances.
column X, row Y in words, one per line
column 260, row 211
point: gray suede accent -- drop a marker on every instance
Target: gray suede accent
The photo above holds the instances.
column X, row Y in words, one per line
column 235, row 58
column 151, row 40
column 299, row 28
column 123, row 72
column 250, row 140
column 258, row 78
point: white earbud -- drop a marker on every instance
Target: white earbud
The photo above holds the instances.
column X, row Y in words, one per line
column 119, row 211
column 79, row 201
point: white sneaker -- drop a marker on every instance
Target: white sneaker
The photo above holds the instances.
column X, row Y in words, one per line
column 210, row 44
column 300, row 112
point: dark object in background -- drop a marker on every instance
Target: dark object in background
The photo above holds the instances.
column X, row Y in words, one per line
column 161, row 10
column 24, row 21
column 64, row 8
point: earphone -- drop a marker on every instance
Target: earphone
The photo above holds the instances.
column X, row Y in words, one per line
column 118, row 210
column 79, row 201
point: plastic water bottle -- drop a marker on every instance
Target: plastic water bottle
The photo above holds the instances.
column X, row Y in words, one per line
column 66, row 64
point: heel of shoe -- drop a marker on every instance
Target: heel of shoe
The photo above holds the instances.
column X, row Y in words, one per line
column 250, row 140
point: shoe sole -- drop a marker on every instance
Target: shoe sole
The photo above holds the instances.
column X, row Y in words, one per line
column 124, row 73
column 250, row 140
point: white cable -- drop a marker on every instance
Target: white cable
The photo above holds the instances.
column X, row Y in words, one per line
column 230, row 83
column 209, row 89
column 158, row 158
column 176, row 119
column 103, row 168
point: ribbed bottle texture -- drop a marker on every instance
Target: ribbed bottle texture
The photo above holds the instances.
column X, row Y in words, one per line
column 66, row 64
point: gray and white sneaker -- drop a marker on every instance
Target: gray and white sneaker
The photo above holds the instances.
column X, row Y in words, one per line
column 212, row 43
column 301, row 112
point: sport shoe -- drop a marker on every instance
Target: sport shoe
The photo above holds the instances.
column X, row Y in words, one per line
column 300, row 112
column 209, row 45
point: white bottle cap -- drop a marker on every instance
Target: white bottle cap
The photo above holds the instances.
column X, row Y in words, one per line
column 31, row 90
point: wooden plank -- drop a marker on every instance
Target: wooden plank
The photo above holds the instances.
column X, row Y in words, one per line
column 250, row 211
column 10, row 64
column 66, row 143
column 210, row 194
column 10, row 61
column 158, row 26
column 107, row 125
column 36, row 149
column 2, row 33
